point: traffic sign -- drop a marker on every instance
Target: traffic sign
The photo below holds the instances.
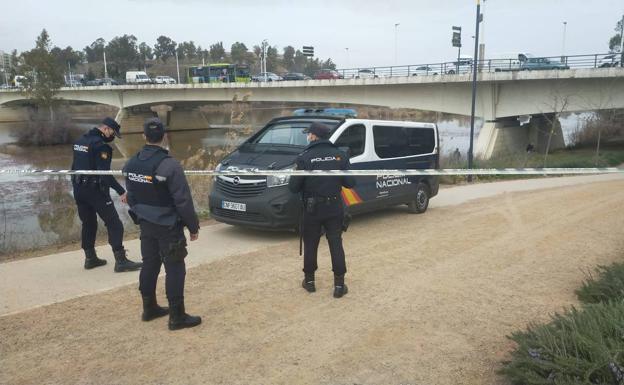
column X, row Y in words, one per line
column 308, row 51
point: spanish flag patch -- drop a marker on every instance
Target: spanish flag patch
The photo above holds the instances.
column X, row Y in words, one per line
column 350, row 196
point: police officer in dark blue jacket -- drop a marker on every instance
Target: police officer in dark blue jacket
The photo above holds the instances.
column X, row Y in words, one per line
column 92, row 194
column 162, row 205
column 323, row 207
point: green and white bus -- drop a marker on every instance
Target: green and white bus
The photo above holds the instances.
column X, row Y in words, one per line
column 219, row 73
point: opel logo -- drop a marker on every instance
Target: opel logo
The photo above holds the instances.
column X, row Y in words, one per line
column 236, row 180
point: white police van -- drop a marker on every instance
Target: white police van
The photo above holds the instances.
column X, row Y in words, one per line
column 265, row 201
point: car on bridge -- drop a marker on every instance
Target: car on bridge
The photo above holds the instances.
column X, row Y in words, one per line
column 327, row 74
column 366, row 74
column 612, row 60
column 541, row 63
column 164, row 80
column 295, row 76
column 266, row 77
column 265, row 202
column 422, row 70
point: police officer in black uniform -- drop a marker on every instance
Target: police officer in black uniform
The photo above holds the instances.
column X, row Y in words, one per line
column 323, row 205
column 92, row 194
column 161, row 203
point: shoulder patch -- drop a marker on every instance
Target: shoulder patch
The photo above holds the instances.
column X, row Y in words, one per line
column 104, row 155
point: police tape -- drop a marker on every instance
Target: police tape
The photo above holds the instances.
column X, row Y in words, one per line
column 384, row 172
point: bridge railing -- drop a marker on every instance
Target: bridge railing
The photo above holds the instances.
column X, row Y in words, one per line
column 465, row 65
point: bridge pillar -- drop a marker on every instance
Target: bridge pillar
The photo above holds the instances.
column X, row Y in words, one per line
column 162, row 110
column 505, row 136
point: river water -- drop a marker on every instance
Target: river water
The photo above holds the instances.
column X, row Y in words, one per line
column 37, row 211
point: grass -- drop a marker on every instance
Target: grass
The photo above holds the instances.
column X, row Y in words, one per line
column 577, row 347
column 608, row 285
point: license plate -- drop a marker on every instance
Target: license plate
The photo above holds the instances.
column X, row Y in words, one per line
column 233, row 206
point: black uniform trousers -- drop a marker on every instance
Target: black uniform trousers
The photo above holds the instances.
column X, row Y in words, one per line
column 155, row 239
column 91, row 202
column 329, row 215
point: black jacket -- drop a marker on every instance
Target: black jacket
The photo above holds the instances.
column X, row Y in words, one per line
column 321, row 155
column 183, row 207
column 92, row 153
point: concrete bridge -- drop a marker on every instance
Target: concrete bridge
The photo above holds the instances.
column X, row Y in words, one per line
column 518, row 107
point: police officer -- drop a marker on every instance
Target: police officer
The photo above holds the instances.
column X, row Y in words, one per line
column 323, row 205
column 92, row 195
column 161, row 202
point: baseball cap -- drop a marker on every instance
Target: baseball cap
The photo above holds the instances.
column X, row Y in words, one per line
column 110, row 122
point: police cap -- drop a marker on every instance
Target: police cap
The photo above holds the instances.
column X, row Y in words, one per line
column 110, row 122
column 154, row 130
column 318, row 129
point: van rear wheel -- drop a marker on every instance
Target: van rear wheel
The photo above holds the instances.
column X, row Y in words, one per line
column 421, row 201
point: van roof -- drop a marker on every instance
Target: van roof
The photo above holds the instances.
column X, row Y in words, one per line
column 355, row 120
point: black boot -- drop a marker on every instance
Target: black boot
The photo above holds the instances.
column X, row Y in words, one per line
column 308, row 283
column 91, row 259
column 124, row 264
column 340, row 288
column 151, row 310
column 178, row 319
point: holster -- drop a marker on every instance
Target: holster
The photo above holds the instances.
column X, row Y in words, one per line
column 346, row 221
column 310, row 205
column 174, row 251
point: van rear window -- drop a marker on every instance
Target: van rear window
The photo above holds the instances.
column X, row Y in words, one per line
column 396, row 142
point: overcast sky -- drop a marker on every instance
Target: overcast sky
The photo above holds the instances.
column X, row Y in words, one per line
column 365, row 27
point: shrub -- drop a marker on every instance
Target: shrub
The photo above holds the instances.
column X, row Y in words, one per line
column 41, row 131
column 578, row 347
column 607, row 286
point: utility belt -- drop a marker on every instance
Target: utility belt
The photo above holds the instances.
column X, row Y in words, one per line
column 310, row 203
column 86, row 180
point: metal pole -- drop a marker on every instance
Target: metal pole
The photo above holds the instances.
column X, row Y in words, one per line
column 482, row 45
column 348, row 64
column 622, row 41
column 264, row 53
column 177, row 66
column 396, row 39
column 105, row 69
column 565, row 24
column 474, row 89
column 69, row 75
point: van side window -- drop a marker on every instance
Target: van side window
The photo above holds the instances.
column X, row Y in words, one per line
column 354, row 138
column 395, row 142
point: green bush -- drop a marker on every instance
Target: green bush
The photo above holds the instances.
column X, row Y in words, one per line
column 578, row 347
column 607, row 286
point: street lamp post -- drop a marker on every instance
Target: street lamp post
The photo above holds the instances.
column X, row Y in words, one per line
column 263, row 62
column 177, row 65
column 474, row 88
column 565, row 25
column 622, row 41
column 105, row 69
column 347, row 51
column 396, row 39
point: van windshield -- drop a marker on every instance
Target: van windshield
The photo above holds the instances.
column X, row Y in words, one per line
column 288, row 133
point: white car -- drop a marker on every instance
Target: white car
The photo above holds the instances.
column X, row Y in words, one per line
column 366, row 74
column 612, row 60
column 266, row 77
column 164, row 80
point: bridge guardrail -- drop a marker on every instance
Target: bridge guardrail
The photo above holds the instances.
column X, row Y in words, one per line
column 487, row 65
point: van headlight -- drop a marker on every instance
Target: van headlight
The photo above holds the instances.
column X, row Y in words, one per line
column 279, row 180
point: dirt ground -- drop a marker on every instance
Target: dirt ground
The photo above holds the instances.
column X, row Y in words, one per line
column 432, row 299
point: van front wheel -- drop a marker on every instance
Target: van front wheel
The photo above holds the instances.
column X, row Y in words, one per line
column 421, row 202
